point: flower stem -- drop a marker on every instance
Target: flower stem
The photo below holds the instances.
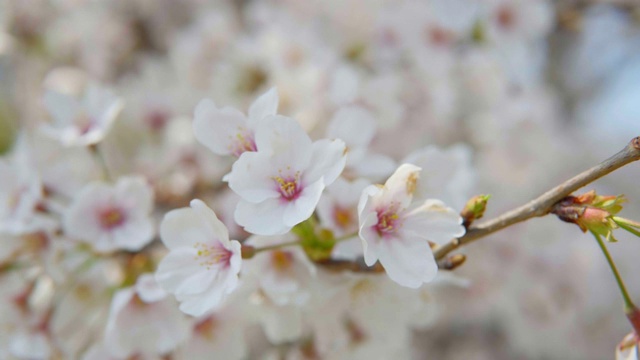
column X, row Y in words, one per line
column 628, row 303
column 346, row 237
column 277, row 246
column 99, row 155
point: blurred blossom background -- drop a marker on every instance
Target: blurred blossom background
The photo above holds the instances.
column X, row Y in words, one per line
column 530, row 91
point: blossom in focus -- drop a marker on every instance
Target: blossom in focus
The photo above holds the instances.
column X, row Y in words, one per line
column 227, row 131
column 112, row 217
column 202, row 265
column 81, row 122
column 281, row 184
column 397, row 233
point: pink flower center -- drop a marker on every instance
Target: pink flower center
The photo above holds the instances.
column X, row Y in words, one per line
column 212, row 255
column 388, row 221
column 289, row 187
column 343, row 217
column 244, row 141
column 156, row 120
column 111, row 218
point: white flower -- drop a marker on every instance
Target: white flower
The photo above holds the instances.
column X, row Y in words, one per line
column 112, row 217
column 203, row 264
column 81, row 122
column 357, row 128
column 143, row 320
column 396, row 233
column 283, row 274
column 227, row 131
column 281, row 183
column 20, row 193
column 218, row 335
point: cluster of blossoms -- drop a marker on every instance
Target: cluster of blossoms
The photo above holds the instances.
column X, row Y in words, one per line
column 223, row 179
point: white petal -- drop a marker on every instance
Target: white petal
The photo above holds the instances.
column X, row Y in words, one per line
column 408, row 261
column 282, row 324
column 134, row 234
column 265, row 218
column 148, row 288
column 210, row 219
column 198, row 305
column 369, row 238
column 433, row 221
column 184, row 228
column 327, row 161
column 400, row 186
column 374, row 166
column 136, row 193
column 217, row 129
column 251, row 177
column 301, row 208
column 353, row 124
column 178, row 266
column 263, row 106
column 284, row 139
column 63, row 108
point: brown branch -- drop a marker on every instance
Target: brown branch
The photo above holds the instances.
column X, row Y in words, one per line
column 542, row 205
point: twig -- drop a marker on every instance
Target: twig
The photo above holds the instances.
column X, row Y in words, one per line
column 542, row 205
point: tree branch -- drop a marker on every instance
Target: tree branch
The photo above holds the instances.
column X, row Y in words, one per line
column 542, row 205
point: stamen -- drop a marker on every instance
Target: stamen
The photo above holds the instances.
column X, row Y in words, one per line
column 212, row 255
column 242, row 142
column 289, row 187
column 111, row 218
column 388, row 221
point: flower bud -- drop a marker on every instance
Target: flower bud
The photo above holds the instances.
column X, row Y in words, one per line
column 591, row 212
column 453, row 261
column 474, row 209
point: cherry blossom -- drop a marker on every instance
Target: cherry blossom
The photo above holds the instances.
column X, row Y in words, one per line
column 21, row 192
column 396, row 232
column 143, row 320
column 220, row 333
column 81, row 122
column 284, row 275
column 202, row 265
column 112, row 217
column 227, row 131
column 281, row 184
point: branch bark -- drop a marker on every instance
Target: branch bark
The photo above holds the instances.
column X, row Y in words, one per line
column 543, row 204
